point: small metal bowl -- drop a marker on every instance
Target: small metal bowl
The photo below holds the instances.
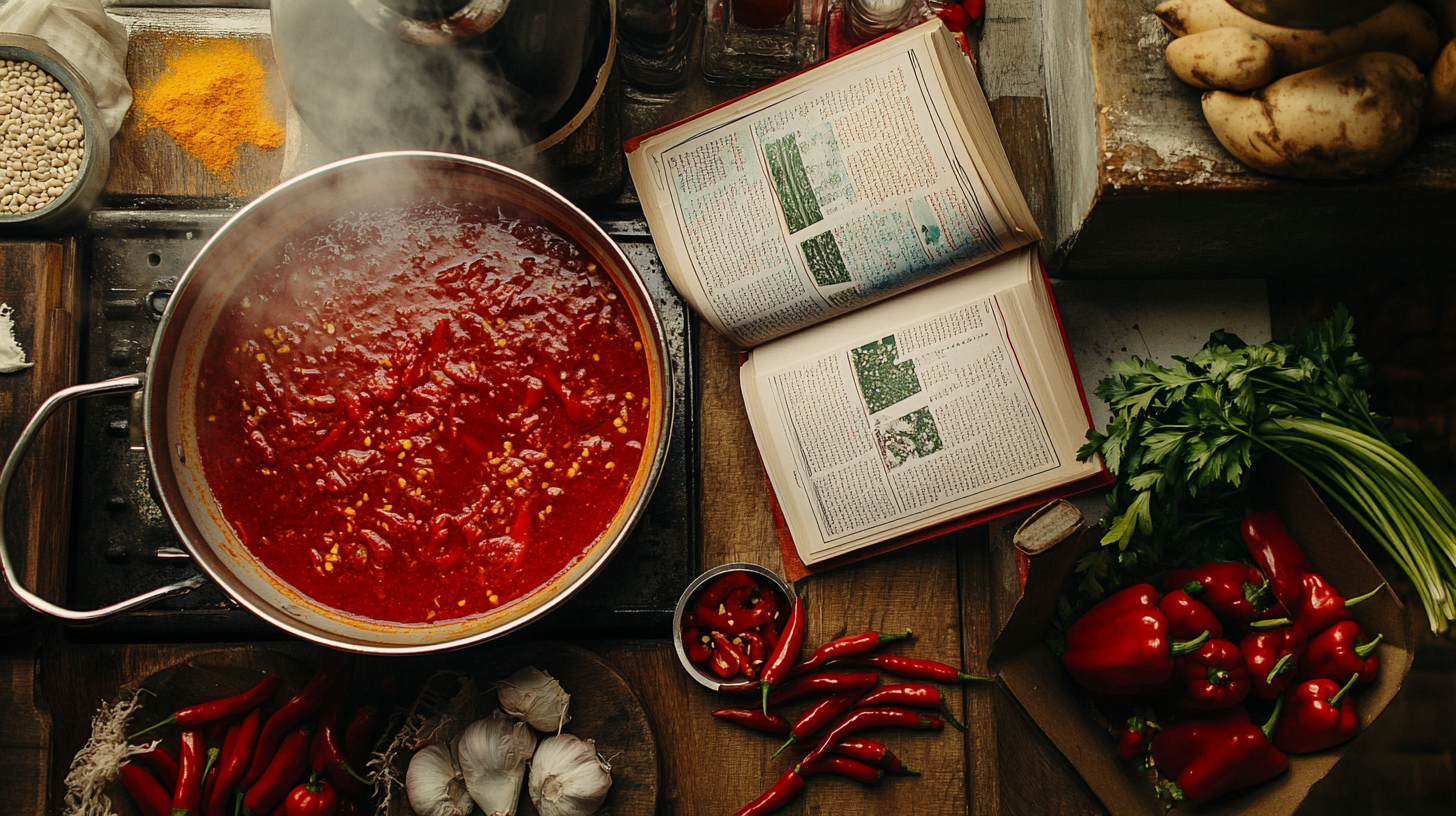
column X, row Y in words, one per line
column 70, row 208
column 691, row 592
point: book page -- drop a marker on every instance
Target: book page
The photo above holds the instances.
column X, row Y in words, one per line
column 840, row 192
column 921, row 409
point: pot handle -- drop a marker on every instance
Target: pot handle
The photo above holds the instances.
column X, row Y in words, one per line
column 113, row 386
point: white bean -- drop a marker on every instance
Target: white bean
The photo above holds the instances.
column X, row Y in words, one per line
column 41, row 139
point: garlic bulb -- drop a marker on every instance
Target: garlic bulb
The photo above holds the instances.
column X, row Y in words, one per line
column 493, row 754
column 534, row 696
column 568, row 778
column 434, row 784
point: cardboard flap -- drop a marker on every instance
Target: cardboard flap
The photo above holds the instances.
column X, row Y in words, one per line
column 1051, row 541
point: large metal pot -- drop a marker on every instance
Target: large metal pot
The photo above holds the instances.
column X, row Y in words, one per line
column 169, row 391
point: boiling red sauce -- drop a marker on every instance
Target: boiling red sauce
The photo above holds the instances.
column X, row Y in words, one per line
column 423, row 412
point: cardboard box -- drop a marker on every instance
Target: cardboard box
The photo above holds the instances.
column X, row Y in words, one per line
column 1053, row 539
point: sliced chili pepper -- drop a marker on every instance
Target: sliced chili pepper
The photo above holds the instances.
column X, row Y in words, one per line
column 770, row 723
column 842, row 766
column 234, row 763
column 188, row 796
column 827, row 682
column 754, row 654
column 1188, row 617
column 1137, row 732
column 782, row 792
column 787, row 651
column 719, row 588
column 1340, row 652
column 819, row 715
column 162, row 765
column 193, row 716
column 874, row 718
column 144, row 789
column 282, row 773
column 1213, row 677
column 1278, row 555
column 872, row 753
column 1273, row 657
column 313, row 798
column 1122, row 645
column 1218, row 754
column 695, row 643
column 914, row 668
column 293, row 712
column 361, row 734
column 731, row 621
column 1319, row 714
column 910, row 695
column 1235, row 591
column 727, row 660
column 735, row 600
column 849, row 646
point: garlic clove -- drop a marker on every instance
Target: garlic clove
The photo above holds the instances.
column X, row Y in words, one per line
column 568, row 777
column 434, row 784
column 493, row 753
column 536, row 697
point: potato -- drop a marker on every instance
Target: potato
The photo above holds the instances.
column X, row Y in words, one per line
column 1346, row 119
column 1441, row 106
column 1401, row 28
column 1229, row 59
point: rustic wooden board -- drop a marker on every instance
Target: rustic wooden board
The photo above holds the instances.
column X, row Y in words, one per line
column 39, row 281
column 25, row 730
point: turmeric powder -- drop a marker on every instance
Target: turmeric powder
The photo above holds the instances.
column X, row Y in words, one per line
column 211, row 102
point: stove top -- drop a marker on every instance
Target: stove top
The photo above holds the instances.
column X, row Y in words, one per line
column 122, row 543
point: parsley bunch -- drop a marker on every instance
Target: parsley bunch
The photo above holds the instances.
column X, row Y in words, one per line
column 1182, row 440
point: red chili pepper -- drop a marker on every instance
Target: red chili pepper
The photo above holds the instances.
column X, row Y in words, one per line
column 914, row 668
column 203, row 713
column 872, row 753
column 328, row 752
column 695, row 646
column 209, row 777
column 1218, row 754
column 209, row 781
column 874, row 718
column 782, row 792
column 786, row 653
column 717, row 591
column 755, row 654
column 287, row 765
column 1272, row 657
column 806, row 685
column 910, row 695
column 313, row 798
column 1235, row 591
column 293, row 712
column 161, row 763
column 849, row 646
column 770, row 723
column 234, row 764
column 734, row 622
column 1213, row 677
column 1122, row 646
column 1137, row 732
column 188, row 796
column 1278, row 555
column 1340, row 652
column 148, row 794
column 361, row 734
column 1187, row 618
column 727, row 660
column 817, row 717
column 842, row 766
column 1321, row 714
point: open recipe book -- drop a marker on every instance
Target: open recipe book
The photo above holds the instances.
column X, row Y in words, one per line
column 858, row 225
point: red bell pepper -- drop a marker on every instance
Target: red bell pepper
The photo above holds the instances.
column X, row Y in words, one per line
column 1340, row 652
column 312, row 798
column 1320, row 715
column 1235, row 591
column 1278, row 555
column 1137, row 732
column 1218, row 754
column 1323, row 607
column 1122, row 645
column 1187, row 618
column 1213, row 677
column 1272, row 657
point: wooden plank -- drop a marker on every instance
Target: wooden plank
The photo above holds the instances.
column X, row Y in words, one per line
column 25, row 732
column 38, row 279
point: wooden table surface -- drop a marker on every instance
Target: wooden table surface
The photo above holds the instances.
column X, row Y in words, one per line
column 953, row 592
